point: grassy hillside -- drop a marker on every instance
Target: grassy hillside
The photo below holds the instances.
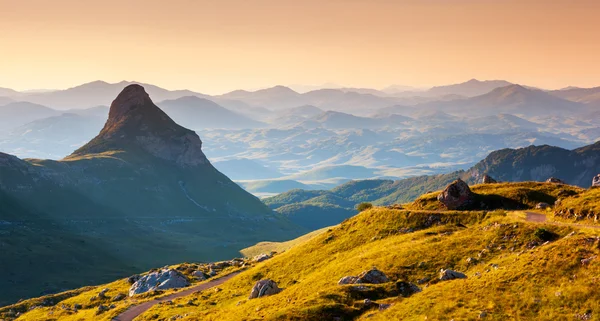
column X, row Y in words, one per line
column 514, row 269
column 268, row 247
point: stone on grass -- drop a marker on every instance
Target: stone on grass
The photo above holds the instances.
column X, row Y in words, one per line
column 457, row 196
column 448, row 274
column 263, row 288
column 161, row 280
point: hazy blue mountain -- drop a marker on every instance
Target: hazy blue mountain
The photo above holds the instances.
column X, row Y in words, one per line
column 277, row 97
column 198, row 113
column 5, row 100
column 98, row 93
column 17, row 114
column 469, row 88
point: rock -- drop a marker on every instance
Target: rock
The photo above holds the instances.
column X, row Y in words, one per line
column 554, row 180
column 263, row 288
column 542, row 206
column 384, row 306
column 199, row 275
column 101, row 309
column 596, row 181
column 261, row 257
column 488, row 180
column 161, row 280
column 482, row 314
column 457, row 195
column 471, row 260
column 212, row 273
column 446, row 275
column 77, row 306
column 407, row 289
column 132, row 279
column 119, row 297
column 102, row 294
column 373, row 276
column 369, row 303
column 348, row 280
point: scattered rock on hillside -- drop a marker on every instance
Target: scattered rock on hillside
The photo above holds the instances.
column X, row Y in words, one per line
column 488, row 180
column 457, row 195
column 348, row 280
column 161, row 280
column 261, row 257
column 407, row 289
column 446, row 275
column 372, row 276
column 554, row 180
column 199, row 275
column 596, row 181
column 542, row 206
column 101, row 309
column 263, row 288
column 132, row 279
column 102, row 294
column 118, row 297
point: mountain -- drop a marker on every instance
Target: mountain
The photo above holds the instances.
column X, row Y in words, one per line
column 581, row 95
column 5, row 101
column 195, row 112
column 139, row 194
column 52, row 137
column 304, row 111
column 16, row 114
column 277, row 97
column 538, row 163
column 98, row 93
column 348, row 101
column 512, row 99
column 469, row 88
column 7, row 92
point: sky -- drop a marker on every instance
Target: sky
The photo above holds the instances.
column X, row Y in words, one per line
column 218, row 46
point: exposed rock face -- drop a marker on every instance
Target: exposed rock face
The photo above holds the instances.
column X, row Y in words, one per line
column 261, row 257
column 263, row 288
column 162, row 280
column 554, row 180
column 348, row 280
column 488, row 180
column 596, row 181
column 446, row 275
column 457, row 196
column 134, row 122
column 373, row 276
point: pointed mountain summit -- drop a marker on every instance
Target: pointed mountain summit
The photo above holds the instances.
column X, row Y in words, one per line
column 135, row 124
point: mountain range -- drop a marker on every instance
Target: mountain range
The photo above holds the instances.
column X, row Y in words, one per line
column 139, row 194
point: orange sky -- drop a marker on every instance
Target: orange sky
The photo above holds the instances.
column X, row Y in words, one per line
column 219, row 45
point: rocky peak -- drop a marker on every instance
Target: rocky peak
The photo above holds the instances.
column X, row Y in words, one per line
column 135, row 123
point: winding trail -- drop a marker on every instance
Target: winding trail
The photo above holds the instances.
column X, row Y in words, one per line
column 136, row 310
column 541, row 218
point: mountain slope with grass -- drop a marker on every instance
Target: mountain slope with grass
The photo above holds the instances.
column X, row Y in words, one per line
column 138, row 195
column 413, row 264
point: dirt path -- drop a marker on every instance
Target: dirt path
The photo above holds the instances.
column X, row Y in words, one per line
column 541, row 218
column 136, row 310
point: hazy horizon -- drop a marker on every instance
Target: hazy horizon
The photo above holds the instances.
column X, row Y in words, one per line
column 218, row 47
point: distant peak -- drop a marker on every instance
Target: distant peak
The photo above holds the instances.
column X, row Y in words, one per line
column 135, row 122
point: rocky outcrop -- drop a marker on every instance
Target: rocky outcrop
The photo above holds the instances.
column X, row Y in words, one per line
column 488, row 180
column 596, row 181
column 446, row 275
column 199, row 275
column 161, row 280
column 263, row 288
column 135, row 123
column 261, row 257
column 554, row 180
column 457, row 196
column 372, row 276
column 407, row 289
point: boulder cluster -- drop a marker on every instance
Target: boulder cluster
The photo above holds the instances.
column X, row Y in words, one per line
column 264, row 288
column 372, row 276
